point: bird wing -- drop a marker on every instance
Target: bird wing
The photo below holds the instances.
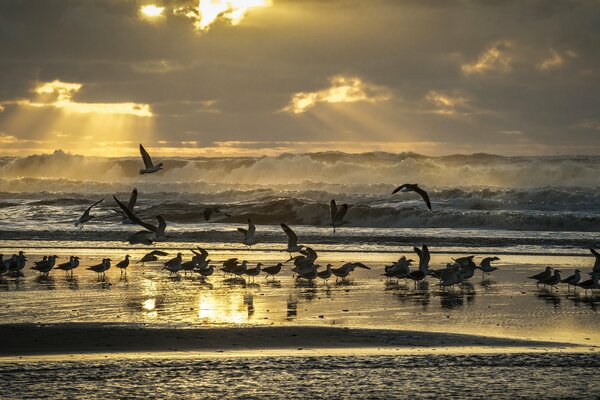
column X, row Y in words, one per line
column 158, row 253
column 87, row 211
column 146, row 157
column 133, row 198
column 333, row 209
column 339, row 216
column 360, row 265
column 594, row 252
column 251, row 227
column 207, row 213
column 424, row 195
column 292, row 238
column 243, row 231
column 162, row 224
column 134, row 218
column 399, row 188
column 426, row 255
column 418, row 251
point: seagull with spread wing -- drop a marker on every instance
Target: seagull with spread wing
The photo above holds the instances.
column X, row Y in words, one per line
column 86, row 217
column 292, row 245
column 337, row 214
column 149, row 167
column 248, row 234
column 158, row 230
column 413, row 187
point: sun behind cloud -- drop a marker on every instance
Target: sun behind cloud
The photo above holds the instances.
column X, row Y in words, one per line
column 343, row 89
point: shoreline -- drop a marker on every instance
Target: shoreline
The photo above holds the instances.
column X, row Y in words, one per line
column 108, row 338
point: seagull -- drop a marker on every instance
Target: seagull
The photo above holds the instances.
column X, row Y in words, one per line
column 70, row 265
column 18, row 262
column 292, row 245
column 552, row 280
column 597, row 263
column 209, row 211
column 253, row 271
column 337, row 215
column 248, row 234
column 153, row 256
column 4, row 265
column 201, row 258
column 454, row 278
column 189, row 265
column 230, row 265
column 86, row 217
column 149, row 167
column 130, row 205
column 174, row 264
column 208, row 271
column 272, row 271
column 325, row 275
column 413, row 187
column 122, row 265
column 399, row 270
column 590, row 284
column 47, row 266
column 158, row 230
column 573, row 279
column 485, row 265
column 141, row 237
column 542, row 276
column 101, row 268
column 423, row 270
column 346, row 269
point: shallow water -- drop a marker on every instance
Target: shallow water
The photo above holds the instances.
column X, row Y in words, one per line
column 503, row 304
column 507, row 376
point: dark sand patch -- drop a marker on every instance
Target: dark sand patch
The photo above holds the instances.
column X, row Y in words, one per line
column 80, row 338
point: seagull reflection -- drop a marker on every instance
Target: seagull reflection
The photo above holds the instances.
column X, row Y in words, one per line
column 308, row 289
column 292, row 309
column 549, row 297
column 72, row 282
column 451, row 300
column 47, row 282
column 249, row 303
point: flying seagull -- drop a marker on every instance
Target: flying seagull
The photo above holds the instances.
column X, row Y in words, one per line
column 86, row 217
column 132, row 201
column 149, row 167
column 292, row 245
column 209, row 211
column 337, row 215
column 413, row 187
column 248, row 234
column 158, row 230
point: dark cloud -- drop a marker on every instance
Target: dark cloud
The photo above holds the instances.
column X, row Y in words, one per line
column 249, row 73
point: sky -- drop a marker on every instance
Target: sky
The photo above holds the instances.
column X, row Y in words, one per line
column 263, row 77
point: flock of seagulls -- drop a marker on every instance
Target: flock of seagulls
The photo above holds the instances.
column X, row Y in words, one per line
column 305, row 265
column 551, row 277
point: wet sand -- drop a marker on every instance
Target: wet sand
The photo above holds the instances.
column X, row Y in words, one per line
column 75, row 338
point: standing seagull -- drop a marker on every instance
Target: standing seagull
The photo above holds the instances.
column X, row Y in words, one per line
column 542, row 276
column 292, row 245
column 272, row 270
column 248, row 234
column 149, row 167
column 337, row 215
column 573, row 279
column 86, row 217
column 413, row 187
column 122, row 265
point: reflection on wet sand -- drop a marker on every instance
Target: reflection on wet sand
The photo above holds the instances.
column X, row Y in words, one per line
column 501, row 305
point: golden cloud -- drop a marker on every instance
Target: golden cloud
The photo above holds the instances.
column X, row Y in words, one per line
column 495, row 58
column 342, row 89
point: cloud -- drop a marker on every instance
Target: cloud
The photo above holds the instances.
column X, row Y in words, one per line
column 495, row 58
column 448, row 103
column 343, row 89
column 207, row 12
column 60, row 95
column 555, row 60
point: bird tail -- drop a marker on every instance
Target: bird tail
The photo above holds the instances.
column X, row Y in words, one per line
column 76, row 223
column 141, row 172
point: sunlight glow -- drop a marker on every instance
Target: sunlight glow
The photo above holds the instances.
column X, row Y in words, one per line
column 209, row 11
column 343, row 89
column 152, row 11
column 60, row 94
